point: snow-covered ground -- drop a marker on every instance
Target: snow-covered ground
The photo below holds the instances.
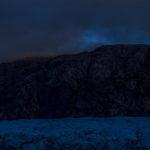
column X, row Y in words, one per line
column 118, row 133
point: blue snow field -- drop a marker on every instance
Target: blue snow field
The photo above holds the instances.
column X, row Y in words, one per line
column 117, row 133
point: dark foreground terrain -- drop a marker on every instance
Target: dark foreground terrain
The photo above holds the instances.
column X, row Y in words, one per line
column 76, row 134
column 109, row 81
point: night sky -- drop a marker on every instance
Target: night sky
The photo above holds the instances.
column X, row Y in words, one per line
column 41, row 27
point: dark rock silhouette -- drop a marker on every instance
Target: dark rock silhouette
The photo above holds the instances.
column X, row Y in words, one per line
column 110, row 81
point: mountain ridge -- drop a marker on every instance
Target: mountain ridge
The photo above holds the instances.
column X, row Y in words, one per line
column 112, row 80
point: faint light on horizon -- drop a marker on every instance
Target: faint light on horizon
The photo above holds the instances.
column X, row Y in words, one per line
column 92, row 39
column 88, row 40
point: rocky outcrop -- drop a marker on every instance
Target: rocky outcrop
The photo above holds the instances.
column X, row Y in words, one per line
column 109, row 81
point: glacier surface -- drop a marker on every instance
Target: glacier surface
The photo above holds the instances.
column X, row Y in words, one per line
column 116, row 133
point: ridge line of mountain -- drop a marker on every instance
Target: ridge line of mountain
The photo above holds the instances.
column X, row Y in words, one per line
column 109, row 81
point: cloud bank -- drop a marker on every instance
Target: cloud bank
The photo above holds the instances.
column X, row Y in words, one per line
column 37, row 27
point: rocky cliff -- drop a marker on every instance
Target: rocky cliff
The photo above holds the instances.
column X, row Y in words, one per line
column 109, row 81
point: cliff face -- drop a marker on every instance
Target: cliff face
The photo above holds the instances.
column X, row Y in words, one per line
column 112, row 80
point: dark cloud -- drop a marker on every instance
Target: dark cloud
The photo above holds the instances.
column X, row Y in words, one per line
column 29, row 27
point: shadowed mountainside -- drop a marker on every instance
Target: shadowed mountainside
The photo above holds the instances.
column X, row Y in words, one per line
column 109, row 81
